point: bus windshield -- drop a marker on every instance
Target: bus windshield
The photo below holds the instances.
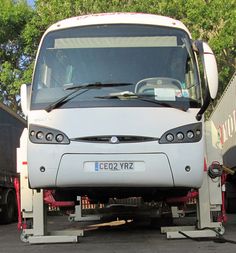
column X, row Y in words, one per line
column 146, row 61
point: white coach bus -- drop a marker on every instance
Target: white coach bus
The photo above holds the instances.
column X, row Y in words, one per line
column 115, row 107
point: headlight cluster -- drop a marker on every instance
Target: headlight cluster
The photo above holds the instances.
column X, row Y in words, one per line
column 44, row 135
column 183, row 134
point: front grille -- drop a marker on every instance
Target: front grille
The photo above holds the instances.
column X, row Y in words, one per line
column 120, row 139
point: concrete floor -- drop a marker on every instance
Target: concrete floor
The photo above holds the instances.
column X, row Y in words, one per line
column 130, row 237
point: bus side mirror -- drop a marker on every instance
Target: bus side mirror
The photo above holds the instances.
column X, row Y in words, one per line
column 210, row 70
column 25, row 98
column 210, row 74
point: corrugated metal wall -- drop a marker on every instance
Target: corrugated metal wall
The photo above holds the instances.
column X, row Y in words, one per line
column 10, row 131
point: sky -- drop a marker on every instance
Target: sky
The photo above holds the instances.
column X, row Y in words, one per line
column 30, row 2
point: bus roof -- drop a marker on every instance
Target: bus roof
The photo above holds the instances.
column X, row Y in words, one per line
column 118, row 18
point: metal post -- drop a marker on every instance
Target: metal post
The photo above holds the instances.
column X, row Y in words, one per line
column 205, row 226
column 39, row 215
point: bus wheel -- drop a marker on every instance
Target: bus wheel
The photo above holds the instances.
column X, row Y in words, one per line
column 230, row 197
column 9, row 209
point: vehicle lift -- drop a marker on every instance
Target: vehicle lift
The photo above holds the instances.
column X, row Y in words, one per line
column 32, row 216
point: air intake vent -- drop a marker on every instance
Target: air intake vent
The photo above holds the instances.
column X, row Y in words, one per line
column 115, row 139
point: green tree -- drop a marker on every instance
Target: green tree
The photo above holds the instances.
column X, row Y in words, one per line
column 21, row 28
column 211, row 20
column 215, row 22
column 14, row 15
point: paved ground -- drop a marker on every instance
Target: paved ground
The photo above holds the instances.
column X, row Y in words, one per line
column 132, row 237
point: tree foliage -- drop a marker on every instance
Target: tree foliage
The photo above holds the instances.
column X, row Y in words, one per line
column 21, row 28
column 14, row 15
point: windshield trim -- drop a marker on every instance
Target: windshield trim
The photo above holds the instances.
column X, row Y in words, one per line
column 109, row 104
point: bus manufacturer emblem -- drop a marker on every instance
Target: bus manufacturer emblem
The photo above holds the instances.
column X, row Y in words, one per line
column 114, row 140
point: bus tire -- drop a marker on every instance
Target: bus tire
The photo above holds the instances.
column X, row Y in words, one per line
column 9, row 209
column 230, row 197
column 230, row 204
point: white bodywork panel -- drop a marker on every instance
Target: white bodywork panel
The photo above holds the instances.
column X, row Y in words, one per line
column 159, row 164
column 120, row 18
column 213, row 145
column 25, row 192
column 146, row 167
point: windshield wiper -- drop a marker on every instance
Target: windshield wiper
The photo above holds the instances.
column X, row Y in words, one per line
column 75, row 88
column 96, row 85
column 143, row 97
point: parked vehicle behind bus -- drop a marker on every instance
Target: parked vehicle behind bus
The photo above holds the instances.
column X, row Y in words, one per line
column 222, row 140
column 11, row 126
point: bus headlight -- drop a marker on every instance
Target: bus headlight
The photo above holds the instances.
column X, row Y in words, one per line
column 59, row 138
column 183, row 134
column 180, row 136
column 43, row 135
column 49, row 137
column 190, row 134
column 169, row 137
column 39, row 135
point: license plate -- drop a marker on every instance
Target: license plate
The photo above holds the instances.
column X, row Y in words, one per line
column 114, row 166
